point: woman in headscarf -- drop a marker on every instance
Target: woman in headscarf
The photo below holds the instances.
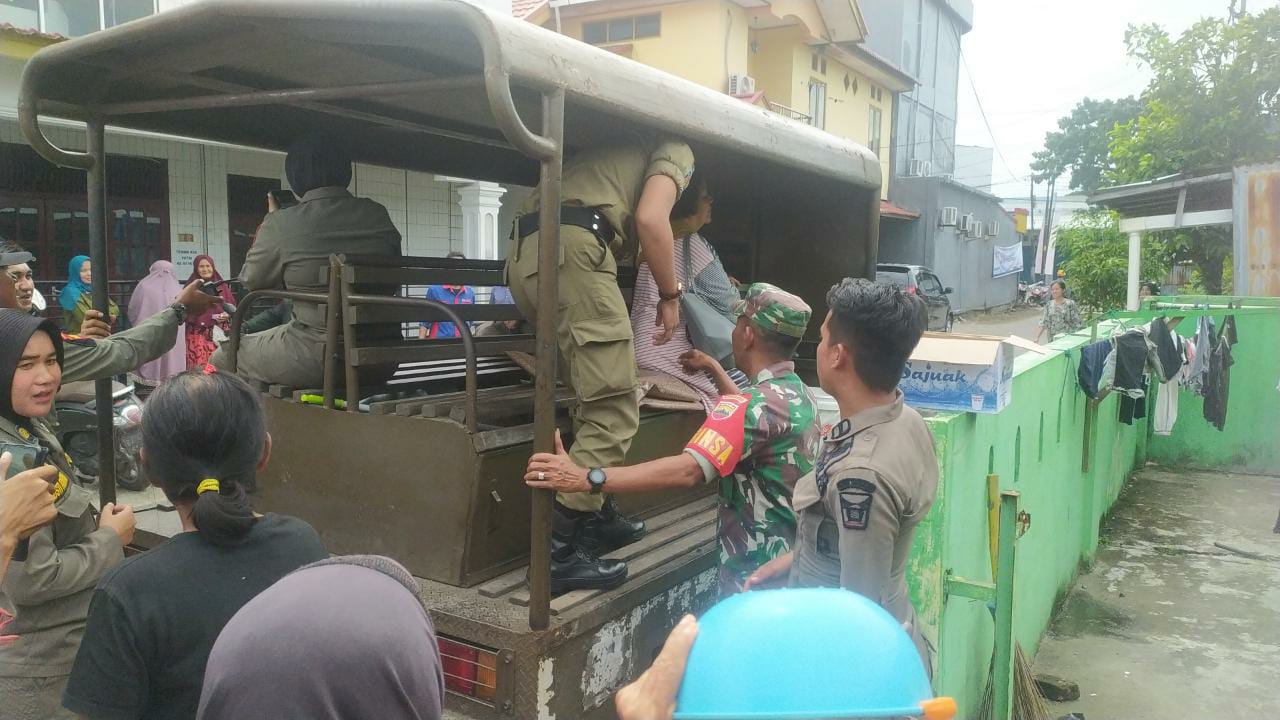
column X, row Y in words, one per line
column 76, row 297
column 292, row 247
column 50, row 581
column 200, row 343
column 155, row 294
column 342, row 639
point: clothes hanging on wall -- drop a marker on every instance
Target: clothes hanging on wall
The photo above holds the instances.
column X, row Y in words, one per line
column 1131, row 377
column 1205, row 338
column 1166, row 358
column 1165, row 414
column 1093, row 371
column 1217, row 378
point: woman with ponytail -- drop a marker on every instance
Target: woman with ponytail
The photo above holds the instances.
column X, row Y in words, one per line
column 153, row 619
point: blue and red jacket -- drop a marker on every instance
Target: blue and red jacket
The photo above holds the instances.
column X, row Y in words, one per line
column 449, row 295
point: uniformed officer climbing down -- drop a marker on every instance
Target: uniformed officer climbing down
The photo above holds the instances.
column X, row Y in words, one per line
column 613, row 198
column 877, row 472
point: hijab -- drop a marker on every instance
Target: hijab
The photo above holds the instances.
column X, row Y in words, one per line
column 75, row 287
column 343, row 639
column 205, row 319
column 317, row 161
column 152, row 296
column 16, row 329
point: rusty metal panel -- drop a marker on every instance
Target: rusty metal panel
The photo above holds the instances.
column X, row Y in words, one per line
column 1256, row 221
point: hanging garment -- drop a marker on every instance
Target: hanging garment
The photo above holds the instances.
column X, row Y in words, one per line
column 1165, row 413
column 1205, row 338
column 1131, row 377
column 1093, row 371
column 1165, row 357
column 1217, row 381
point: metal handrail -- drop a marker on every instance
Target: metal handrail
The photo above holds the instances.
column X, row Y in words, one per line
column 464, row 332
column 246, row 302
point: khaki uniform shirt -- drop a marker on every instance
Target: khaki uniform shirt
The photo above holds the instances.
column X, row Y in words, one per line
column 88, row 359
column 49, row 592
column 610, row 179
column 875, row 481
column 292, row 247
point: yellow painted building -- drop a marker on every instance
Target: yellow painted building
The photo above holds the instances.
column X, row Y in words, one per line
column 800, row 58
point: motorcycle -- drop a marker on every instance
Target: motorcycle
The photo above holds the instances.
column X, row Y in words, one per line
column 75, row 408
column 1036, row 293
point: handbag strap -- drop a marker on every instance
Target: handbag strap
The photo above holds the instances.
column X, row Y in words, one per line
column 688, row 265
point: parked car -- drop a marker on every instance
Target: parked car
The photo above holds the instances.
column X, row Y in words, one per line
column 920, row 280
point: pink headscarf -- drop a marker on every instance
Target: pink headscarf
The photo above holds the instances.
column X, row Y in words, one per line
column 154, row 293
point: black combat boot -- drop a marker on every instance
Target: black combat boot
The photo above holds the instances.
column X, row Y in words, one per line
column 574, row 566
column 609, row 529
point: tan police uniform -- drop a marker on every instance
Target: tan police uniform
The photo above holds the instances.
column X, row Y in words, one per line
column 874, row 482
column 292, row 247
column 594, row 329
column 122, row 352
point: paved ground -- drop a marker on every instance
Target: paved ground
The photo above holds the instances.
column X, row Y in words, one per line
column 1168, row 624
column 1021, row 321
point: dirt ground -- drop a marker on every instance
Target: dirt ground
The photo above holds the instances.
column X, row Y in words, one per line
column 1021, row 321
column 1169, row 623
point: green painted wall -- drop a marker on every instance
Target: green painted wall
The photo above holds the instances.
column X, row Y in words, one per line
column 1249, row 441
column 1035, row 445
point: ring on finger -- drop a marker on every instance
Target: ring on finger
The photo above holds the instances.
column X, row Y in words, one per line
column 541, row 476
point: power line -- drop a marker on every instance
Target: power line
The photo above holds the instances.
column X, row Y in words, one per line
column 982, row 111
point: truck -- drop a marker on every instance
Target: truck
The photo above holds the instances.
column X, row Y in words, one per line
column 416, row 448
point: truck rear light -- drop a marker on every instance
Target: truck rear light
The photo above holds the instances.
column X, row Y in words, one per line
column 911, row 290
column 469, row 670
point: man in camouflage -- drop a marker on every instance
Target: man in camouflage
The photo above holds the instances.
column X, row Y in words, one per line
column 758, row 440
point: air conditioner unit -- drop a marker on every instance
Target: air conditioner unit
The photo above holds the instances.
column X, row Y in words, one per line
column 741, row 84
column 993, row 229
column 949, row 215
column 963, row 223
column 919, row 168
column 977, row 229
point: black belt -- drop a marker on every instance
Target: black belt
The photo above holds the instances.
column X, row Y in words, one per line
column 588, row 219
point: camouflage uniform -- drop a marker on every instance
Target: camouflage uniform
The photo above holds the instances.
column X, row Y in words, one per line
column 759, row 443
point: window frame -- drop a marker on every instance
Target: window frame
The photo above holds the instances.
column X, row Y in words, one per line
column 875, row 119
column 42, row 15
column 606, row 24
column 818, row 105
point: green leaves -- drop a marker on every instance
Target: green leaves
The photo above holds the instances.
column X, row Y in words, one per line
column 1097, row 267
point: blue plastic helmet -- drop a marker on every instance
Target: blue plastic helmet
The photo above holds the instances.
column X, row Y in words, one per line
column 804, row 653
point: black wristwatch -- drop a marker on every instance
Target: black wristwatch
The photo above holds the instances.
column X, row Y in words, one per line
column 596, row 478
column 181, row 311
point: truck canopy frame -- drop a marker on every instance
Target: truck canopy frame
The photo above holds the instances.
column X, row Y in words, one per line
column 439, row 86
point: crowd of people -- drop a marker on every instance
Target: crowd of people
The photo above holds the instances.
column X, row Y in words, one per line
column 211, row 623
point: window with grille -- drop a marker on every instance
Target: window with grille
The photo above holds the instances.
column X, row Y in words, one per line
column 622, row 29
column 818, row 104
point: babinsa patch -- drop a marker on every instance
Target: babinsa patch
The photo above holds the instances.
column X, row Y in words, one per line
column 856, row 496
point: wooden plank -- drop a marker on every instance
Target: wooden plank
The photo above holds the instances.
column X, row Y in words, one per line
column 407, row 351
column 414, row 406
column 649, row 552
column 421, row 261
column 513, row 580
column 363, row 275
column 376, row 314
column 280, row 391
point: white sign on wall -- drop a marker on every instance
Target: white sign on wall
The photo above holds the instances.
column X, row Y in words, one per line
column 185, row 251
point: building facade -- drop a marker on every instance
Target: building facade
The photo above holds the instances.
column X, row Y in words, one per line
column 804, row 59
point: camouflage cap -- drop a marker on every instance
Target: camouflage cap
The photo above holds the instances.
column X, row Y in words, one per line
column 773, row 308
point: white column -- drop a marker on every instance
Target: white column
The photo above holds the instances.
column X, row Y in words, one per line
column 480, row 202
column 1135, row 269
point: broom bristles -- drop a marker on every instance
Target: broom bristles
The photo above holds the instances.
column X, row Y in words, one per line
column 1028, row 703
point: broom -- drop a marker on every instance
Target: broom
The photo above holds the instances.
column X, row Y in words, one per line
column 1028, row 703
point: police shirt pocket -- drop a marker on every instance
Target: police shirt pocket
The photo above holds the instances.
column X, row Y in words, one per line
column 603, row 362
column 828, row 539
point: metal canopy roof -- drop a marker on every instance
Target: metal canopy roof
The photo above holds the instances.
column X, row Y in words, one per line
column 1169, row 195
column 139, row 74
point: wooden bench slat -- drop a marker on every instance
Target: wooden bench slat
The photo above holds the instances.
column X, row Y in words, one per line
column 366, row 314
column 405, row 351
column 363, row 275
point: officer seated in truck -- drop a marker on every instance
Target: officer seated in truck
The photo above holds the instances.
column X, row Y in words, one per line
column 758, row 441
column 292, row 246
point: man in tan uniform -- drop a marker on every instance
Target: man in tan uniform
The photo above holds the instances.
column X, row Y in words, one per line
column 292, row 246
column 613, row 199
column 877, row 473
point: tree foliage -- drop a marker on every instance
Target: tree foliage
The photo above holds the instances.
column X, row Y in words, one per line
column 1080, row 145
column 1097, row 269
column 1213, row 102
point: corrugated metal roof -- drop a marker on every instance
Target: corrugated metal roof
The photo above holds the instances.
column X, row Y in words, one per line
column 13, row 30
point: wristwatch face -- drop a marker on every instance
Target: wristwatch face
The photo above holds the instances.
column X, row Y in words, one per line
column 596, row 478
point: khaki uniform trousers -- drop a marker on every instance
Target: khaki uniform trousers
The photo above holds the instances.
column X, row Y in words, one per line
column 597, row 352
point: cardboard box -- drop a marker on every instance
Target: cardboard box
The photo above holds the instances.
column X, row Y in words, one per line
column 961, row 373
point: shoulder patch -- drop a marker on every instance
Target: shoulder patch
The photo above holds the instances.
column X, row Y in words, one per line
column 856, row 496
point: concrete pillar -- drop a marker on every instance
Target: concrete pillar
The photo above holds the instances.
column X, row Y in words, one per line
column 480, row 202
column 1135, row 269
